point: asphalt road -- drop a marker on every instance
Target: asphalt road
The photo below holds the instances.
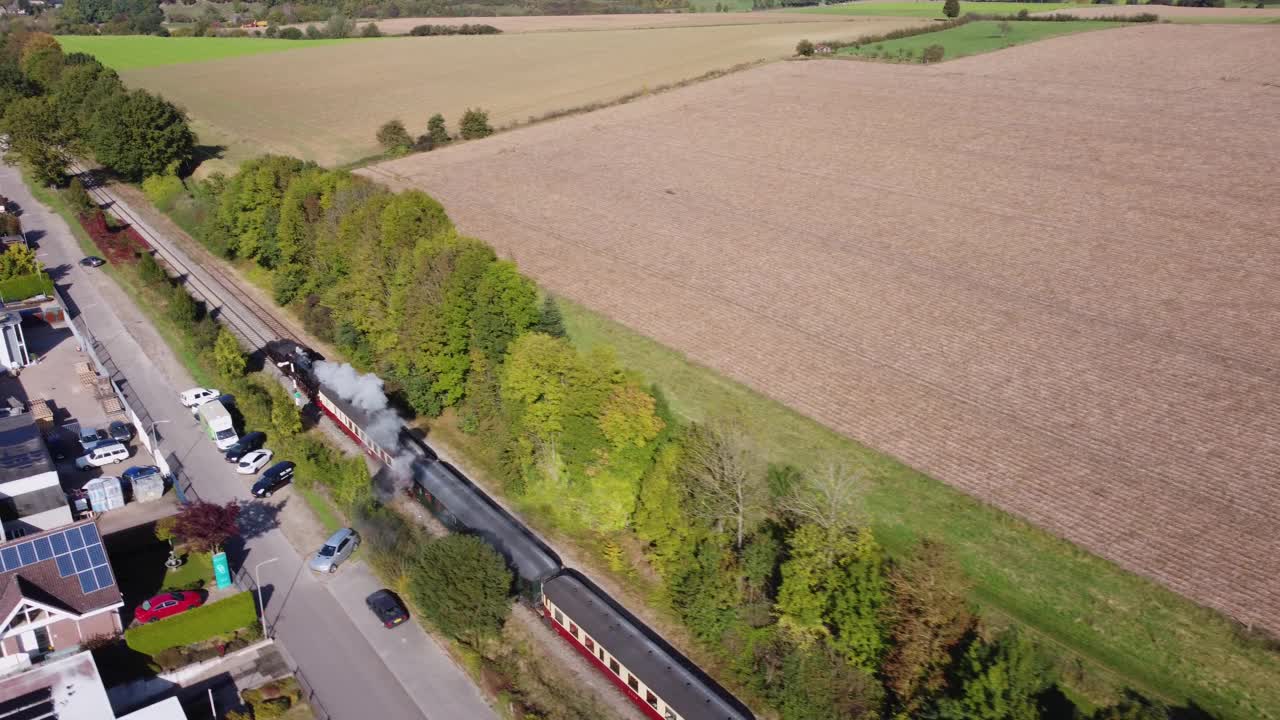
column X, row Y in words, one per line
column 321, row 621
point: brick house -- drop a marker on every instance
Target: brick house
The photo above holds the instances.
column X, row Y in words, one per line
column 57, row 590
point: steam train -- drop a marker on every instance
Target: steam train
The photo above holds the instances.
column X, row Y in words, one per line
column 657, row 678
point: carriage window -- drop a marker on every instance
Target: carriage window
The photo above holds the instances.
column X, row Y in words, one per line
column 601, row 654
column 591, row 644
column 573, row 629
column 613, row 665
column 559, row 617
column 653, row 699
column 631, row 680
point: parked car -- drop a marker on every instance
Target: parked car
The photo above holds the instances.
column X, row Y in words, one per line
column 92, row 261
column 167, row 605
column 139, row 471
column 253, row 462
column 106, row 454
column 276, row 477
column 245, row 445
column 91, row 438
column 387, row 608
column 120, row 431
column 195, row 397
column 335, row 551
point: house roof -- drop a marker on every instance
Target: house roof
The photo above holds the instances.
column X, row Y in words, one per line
column 67, row 689
column 54, row 572
column 22, row 450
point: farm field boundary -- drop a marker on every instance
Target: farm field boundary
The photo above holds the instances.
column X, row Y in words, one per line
column 1173, row 13
column 584, row 23
column 926, row 8
column 971, row 39
column 1017, row 349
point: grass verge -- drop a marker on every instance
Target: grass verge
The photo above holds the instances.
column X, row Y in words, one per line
column 971, row 39
column 321, row 507
column 198, row 568
column 197, row 625
column 928, row 9
column 1106, row 628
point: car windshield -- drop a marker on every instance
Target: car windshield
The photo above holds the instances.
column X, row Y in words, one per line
column 224, row 434
column 327, row 551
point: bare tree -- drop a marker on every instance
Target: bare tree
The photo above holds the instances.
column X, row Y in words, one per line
column 831, row 498
column 726, row 483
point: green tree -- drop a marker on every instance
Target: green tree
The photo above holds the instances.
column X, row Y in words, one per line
column 951, row 8
column 205, row 526
column 550, row 321
column 138, row 134
column 393, row 136
column 1133, row 707
column 338, row 26
column 856, row 613
column 809, row 581
column 725, row 479
column 815, row 685
column 462, row 586
column 227, row 356
column 149, row 270
column 928, row 617
column 77, row 197
column 804, row 48
column 660, row 518
column 506, row 304
column 350, row 486
column 37, row 138
column 286, row 418
column 182, row 308
column 17, row 260
column 437, row 133
column 41, row 59
column 370, row 31
column 997, row 681
column 475, row 124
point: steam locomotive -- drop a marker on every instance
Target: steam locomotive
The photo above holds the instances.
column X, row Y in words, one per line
column 656, row 677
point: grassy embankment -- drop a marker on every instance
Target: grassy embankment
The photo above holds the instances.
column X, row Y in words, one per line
column 973, row 38
column 1105, row 627
column 128, row 52
column 929, row 9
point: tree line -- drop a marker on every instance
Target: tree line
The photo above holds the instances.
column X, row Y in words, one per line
column 773, row 569
column 59, row 106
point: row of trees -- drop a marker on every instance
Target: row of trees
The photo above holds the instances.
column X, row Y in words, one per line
column 773, row 569
column 60, row 106
column 395, row 138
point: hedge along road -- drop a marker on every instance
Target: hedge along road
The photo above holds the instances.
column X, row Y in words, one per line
column 337, row 651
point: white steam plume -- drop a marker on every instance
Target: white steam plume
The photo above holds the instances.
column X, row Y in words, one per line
column 365, row 392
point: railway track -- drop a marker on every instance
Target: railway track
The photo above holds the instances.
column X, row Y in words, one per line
column 207, row 283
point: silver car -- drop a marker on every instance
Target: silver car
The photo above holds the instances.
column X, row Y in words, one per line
column 335, row 551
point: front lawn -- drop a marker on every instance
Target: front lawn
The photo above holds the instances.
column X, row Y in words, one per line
column 219, row 619
column 193, row 574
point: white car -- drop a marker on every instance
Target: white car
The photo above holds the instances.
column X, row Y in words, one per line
column 105, row 454
column 253, row 462
column 195, row 397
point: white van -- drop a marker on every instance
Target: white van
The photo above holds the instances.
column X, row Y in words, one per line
column 105, row 454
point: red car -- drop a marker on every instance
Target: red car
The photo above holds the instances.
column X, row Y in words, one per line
column 167, row 605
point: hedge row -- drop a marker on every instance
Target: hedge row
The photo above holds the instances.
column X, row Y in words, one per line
column 25, row 286
column 203, row 623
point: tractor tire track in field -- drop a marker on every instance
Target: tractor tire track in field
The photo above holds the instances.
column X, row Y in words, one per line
column 1048, row 276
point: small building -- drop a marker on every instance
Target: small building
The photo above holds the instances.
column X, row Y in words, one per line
column 57, row 590
column 69, row 689
column 31, row 499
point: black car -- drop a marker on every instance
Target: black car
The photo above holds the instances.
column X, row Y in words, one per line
column 387, row 608
column 275, row 477
column 248, row 443
column 120, row 431
column 93, row 261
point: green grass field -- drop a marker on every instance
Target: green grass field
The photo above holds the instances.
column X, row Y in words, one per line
column 1103, row 627
column 929, row 9
column 127, row 52
column 971, row 39
column 710, row 5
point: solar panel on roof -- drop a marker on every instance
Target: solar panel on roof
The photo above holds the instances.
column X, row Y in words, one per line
column 81, row 559
column 103, row 574
column 74, row 538
column 59, row 544
column 88, row 583
column 90, row 533
column 27, row 551
column 65, row 566
column 97, row 556
column 44, row 550
column 10, row 557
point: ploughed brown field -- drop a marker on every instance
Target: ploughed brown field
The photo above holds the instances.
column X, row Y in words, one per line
column 1049, row 276
column 1175, row 12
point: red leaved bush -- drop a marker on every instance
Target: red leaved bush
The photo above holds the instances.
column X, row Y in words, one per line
column 118, row 244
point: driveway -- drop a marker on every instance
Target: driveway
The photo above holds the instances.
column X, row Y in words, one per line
column 338, row 652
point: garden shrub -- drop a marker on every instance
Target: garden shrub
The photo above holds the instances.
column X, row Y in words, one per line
column 163, row 190
column 932, row 54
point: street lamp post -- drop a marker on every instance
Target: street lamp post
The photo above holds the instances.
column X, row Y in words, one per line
column 262, row 609
column 155, row 439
